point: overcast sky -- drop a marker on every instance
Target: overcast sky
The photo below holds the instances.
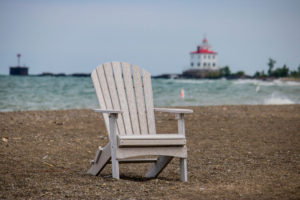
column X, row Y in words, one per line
column 76, row 36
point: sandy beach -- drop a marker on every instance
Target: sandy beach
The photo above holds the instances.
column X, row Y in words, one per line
column 234, row 152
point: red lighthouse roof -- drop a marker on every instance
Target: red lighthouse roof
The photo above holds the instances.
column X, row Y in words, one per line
column 204, row 48
column 203, row 51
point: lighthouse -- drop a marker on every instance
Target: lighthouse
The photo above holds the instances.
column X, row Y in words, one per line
column 203, row 62
column 18, row 70
column 204, row 57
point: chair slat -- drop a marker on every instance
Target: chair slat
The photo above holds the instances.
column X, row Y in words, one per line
column 130, row 98
column 99, row 94
column 105, row 90
column 140, row 101
column 113, row 94
column 149, row 101
column 122, row 96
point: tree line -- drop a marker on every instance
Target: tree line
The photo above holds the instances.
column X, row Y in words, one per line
column 272, row 72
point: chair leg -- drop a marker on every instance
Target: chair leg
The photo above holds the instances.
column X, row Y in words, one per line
column 115, row 168
column 160, row 164
column 183, row 169
column 113, row 139
column 102, row 158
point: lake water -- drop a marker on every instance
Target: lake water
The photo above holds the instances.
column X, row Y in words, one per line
column 49, row 93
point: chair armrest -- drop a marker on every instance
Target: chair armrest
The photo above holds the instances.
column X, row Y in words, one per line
column 108, row 111
column 180, row 114
column 174, row 110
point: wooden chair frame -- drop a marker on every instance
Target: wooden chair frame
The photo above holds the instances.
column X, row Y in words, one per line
column 142, row 141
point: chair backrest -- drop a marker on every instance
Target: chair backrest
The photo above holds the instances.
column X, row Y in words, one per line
column 126, row 87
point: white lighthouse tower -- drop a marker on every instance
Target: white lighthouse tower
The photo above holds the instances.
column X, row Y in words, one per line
column 203, row 62
column 203, row 57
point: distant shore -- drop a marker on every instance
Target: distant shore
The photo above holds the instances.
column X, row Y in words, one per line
column 52, row 74
column 290, row 79
column 63, row 74
column 170, row 76
column 179, row 76
column 234, row 152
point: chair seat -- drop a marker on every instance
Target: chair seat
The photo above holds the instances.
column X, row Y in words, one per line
column 151, row 140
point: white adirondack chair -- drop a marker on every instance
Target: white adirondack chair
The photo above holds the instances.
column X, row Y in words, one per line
column 124, row 93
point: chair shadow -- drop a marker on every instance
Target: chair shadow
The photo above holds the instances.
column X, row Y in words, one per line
column 136, row 178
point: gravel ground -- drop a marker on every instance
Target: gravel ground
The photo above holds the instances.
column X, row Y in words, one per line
column 234, row 152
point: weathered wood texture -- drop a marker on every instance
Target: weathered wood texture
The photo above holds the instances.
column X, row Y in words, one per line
column 176, row 151
column 124, row 93
column 113, row 140
column 104, row 158
column 99, row 93
column 129, row 90
column 97, row 156
column 157, row 168
column 125, row 87
column 149, row 101
column 140, row 101
column 113, row 94
column 151, row 140
column 122, row 96
column 183, row 170
column 174, row 110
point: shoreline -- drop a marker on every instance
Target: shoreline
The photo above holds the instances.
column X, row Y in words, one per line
column 187, row 107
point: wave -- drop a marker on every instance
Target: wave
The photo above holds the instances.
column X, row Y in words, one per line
column 254, row 82
column 193, row 81
column 266, row 83
column 292, row 83
column 278, row 100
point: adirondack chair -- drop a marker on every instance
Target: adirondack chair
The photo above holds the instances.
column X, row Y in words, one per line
column 124, row 93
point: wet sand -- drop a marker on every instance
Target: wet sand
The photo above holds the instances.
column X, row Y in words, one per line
column 234, row 152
